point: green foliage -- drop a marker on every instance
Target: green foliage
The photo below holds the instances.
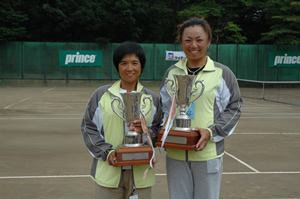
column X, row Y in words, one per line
column 225, row 30
column 233, row 34
column 203, row 10
column 99, row 20
column 12, row 20
column 283, row 18
column 153, row 21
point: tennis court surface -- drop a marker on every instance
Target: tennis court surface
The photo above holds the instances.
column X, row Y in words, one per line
column 42, row 153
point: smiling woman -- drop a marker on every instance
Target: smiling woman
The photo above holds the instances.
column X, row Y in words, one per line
column 196, row 174
column 103, row 130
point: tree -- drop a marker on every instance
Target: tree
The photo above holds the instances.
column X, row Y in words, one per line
column 283, row 19
column 99, row 20
column 141, row 21
column 221, row 17
column 59, row 20
column 232, row 34
column 152, row 21
column 12, row 20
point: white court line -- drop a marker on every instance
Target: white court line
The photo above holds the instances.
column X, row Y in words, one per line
column 281, row 113
column 240, row 161
column 268, row 172
column 11, row 118
column 255, row 133
column 41, row 114
column 46, row 118
column 279, row 117
column 26, row 99
column 17, row 102
column 158, row 174
column 267, row 105
column 48, row 90
column 35, row 177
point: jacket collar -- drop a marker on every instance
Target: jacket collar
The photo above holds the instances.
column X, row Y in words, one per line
column 208, row 67
column 115, row 88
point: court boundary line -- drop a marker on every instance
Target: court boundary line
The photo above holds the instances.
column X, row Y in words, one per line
column 23, row 100
column 48, row 90
column 46, row 118
column 45, row 91
column 242, row 162
column 158, row 174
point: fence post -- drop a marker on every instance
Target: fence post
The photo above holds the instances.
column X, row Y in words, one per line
column 237, row 61
column 217, row 52
column 22, row 60
column 111, row 61
column 153, row 61
column 67, row 67
column 45, row 61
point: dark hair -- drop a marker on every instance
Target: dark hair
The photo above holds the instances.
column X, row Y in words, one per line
column 194, row 22
column 129, row 48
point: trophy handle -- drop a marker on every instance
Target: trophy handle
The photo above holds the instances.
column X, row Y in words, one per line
column 144, row 105
column 119, row 106
column 166, row 87
column 196, row 88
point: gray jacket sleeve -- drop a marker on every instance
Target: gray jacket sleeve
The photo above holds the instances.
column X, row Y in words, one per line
column 227, row 107
column 92, row 128
column 156, row 123
column 164, row 96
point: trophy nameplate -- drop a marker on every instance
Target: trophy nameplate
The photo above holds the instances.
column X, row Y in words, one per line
column 185, row 140
column 133, row 155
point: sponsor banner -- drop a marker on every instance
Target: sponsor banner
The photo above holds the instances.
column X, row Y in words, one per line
column 175, row 55
column 284, row 59
column 80, row 58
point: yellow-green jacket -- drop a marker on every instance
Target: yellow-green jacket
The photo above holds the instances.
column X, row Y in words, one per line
column 103, row 131
column 218, row 109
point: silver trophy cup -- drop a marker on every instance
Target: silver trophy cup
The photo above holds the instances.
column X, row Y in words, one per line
column 131, row 109
column 184, row 93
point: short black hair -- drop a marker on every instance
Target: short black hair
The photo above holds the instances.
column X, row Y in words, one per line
column 129, row 48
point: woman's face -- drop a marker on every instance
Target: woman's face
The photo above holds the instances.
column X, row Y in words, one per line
column 195, row 42
column 129, row 70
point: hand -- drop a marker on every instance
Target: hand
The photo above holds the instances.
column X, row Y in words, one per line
column 205, row 137
column 136, row 126
column 112, row 158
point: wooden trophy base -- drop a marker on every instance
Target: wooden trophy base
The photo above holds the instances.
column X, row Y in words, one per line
column 140, row 155
column 176, row 139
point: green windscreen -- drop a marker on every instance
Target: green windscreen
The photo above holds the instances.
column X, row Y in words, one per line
column 40, row 60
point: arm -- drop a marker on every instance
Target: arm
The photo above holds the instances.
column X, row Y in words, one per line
column 227, row 107
column 165, row 99
column 227, row 111
column 156, row 122
column 92, row 130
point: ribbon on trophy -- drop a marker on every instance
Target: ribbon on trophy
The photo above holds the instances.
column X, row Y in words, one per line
column 148, row 136
column 169, row 121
